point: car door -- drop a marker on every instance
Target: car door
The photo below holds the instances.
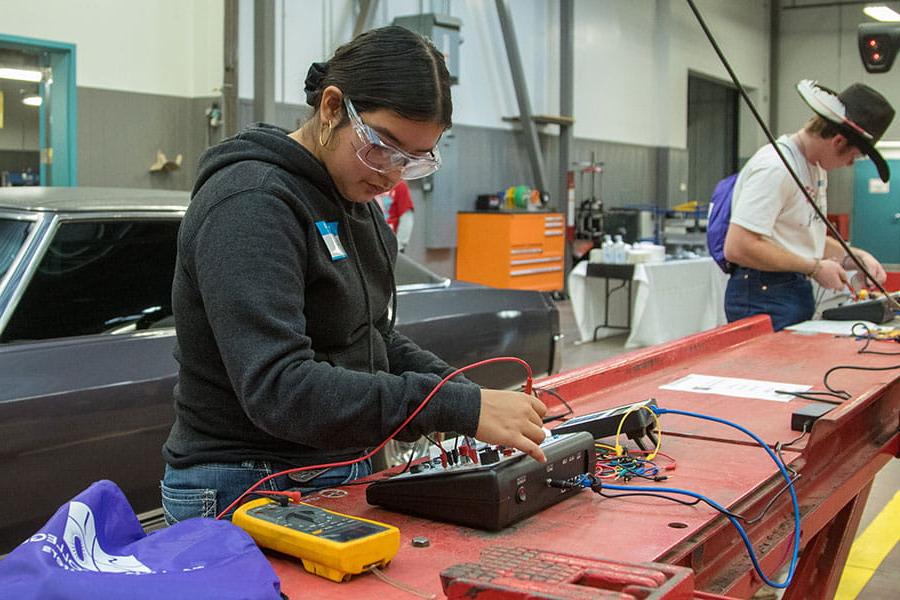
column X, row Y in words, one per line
column 86, row 366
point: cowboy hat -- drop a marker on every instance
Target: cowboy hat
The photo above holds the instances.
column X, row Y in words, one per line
column 861, row 114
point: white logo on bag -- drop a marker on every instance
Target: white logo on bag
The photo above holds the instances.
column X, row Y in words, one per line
column 80, row 537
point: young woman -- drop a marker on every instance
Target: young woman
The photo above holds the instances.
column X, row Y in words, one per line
column 288, row 355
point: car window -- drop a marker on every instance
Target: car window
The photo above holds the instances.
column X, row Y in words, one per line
column 96, row 277
column 12, row 237
column 409, row 272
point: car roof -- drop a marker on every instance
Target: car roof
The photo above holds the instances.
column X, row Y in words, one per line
column 89, row 199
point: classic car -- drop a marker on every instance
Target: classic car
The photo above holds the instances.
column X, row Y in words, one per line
column 86, row 338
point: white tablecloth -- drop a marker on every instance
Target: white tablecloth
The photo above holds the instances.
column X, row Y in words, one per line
column 669, row 300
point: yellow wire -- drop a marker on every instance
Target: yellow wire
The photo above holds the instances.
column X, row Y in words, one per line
column 619, row 450
column 606, row 446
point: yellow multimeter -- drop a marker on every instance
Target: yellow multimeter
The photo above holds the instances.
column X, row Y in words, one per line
column 330, row 544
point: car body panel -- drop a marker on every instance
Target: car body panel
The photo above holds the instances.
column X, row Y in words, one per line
column 77, row 409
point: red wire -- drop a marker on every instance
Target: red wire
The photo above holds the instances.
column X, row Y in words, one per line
column 344, row 463
column 669, row 467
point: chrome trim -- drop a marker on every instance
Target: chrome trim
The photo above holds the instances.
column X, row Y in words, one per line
column 121, row 215
column 21, row 272
column 557, row 353
column 533, row 250
column 13, row 267
column 415, row 287
column 529, row 261
column 521, row 272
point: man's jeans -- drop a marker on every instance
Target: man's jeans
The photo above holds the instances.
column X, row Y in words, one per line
column 786, row 297
column 206, row 489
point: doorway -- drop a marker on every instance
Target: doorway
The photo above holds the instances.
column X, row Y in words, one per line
column 37, row 112
column 712, row 135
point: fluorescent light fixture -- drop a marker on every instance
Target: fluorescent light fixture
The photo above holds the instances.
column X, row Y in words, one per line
column 882, row 13
column 32, row 100
column 31, row 75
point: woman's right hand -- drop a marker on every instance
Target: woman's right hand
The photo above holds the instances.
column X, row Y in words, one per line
column 512, row 419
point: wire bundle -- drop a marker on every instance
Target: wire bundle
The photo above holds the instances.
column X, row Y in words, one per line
column 630, row 464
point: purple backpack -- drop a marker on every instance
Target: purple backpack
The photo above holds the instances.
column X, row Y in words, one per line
column 718, row 220
column 94, row 547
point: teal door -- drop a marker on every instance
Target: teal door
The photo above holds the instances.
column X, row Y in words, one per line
column 59, row 108
column 875, row 225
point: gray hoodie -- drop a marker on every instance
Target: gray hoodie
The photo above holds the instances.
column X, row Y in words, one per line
column 285, row 347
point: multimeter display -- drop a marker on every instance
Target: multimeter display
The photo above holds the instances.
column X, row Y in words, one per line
column 317, row 522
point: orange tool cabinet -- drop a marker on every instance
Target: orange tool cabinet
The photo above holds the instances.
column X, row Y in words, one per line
column 518, row 250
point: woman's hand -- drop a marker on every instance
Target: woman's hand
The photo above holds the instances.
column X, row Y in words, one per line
column 512, row 419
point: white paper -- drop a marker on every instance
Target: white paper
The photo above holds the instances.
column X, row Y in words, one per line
column 833, row 327
column 733, row 386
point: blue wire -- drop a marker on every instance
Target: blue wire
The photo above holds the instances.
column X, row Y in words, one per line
column 737, row 525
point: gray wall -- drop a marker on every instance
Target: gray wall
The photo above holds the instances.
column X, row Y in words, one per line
column 120, row 132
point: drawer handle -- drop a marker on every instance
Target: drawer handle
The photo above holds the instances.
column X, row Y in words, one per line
column 521, row 272
column 531, row 261
column 553, row 232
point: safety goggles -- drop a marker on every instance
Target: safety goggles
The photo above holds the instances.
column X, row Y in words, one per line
column 384, row 157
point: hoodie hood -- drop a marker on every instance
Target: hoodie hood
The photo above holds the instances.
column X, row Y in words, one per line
column 266, row 144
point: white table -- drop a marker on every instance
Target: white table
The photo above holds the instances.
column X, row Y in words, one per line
column 669, row 300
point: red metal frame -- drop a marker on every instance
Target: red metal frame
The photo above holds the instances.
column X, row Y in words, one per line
column 838, row 461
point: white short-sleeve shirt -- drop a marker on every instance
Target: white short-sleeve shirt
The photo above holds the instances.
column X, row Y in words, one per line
column 767, row 201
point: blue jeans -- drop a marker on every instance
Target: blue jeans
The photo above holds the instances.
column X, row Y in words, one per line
column 786, row 297
column 205, row 489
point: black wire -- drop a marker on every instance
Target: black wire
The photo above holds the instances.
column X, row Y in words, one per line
column 771, row 502
column 412, row 455
column 552, row 392
column 869, row 337
column 443, row 452
column 652, row 495
column 793, row 441
column 817, row 396
column 852, row 368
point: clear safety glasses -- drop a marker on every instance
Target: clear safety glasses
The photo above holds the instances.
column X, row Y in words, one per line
column 384, row 157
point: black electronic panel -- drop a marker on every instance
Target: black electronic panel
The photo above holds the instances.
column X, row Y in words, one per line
column 876, row 311
column 604, row 423
column 489, row 496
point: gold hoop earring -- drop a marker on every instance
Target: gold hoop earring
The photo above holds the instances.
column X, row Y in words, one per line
column 325, row 134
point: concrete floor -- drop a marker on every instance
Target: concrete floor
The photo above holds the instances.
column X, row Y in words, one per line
column 886, row 576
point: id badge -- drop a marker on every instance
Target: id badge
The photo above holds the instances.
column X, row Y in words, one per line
column 329, row 232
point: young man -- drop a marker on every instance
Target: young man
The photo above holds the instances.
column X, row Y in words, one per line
column 775, row 238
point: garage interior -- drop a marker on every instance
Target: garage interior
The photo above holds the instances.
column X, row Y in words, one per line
column 587, row 140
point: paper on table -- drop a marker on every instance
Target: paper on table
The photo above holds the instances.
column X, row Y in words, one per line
column 832, row 327
column 733, row 386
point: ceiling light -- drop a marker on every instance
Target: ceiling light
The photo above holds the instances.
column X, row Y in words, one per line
column 882, row 13
column 32, row 75
column 32, row 100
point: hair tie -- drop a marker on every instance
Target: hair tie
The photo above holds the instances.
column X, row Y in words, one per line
column 313, row 84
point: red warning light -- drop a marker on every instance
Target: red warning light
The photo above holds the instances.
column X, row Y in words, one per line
column 876, row 57
column 873, row 43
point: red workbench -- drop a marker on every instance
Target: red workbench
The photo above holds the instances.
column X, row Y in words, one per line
column 838, row 462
